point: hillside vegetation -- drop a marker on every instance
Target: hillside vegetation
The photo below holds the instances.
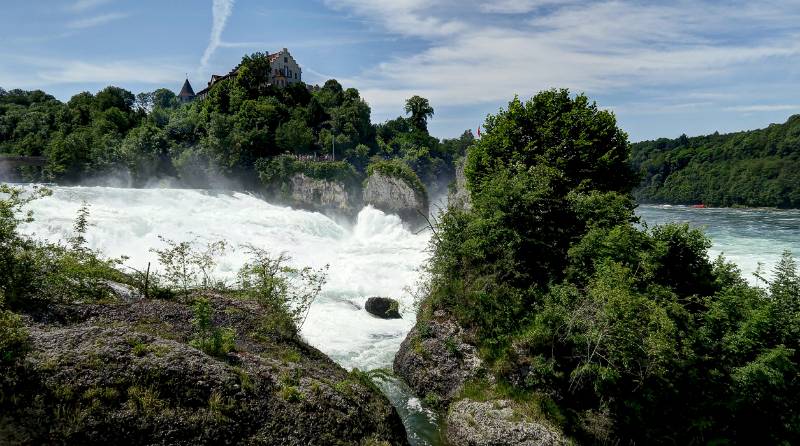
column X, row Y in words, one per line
column 242, row 124
column 753, row 168
column 612, row 332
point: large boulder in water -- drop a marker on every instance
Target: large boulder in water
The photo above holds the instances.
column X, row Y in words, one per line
column 124, row 373
column 383, row 307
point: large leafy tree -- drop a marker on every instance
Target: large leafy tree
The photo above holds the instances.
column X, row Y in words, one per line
column 420, row 110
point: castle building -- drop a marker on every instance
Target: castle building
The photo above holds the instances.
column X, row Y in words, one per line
column 284, row 71
column 187, row 93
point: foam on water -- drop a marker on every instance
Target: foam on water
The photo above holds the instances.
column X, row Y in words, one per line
column 375, row 257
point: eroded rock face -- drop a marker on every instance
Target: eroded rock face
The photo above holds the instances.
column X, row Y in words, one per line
column 497, row 423
column 459, row 195
column 435, row 360
column 383, row 307
column 393, row 195
column 125, row 374
column 326, row 196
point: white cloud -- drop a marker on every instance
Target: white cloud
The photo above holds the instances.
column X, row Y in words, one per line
column 221, row 10
column 762, row 108
column 517, row 6
column 406, row 17
column 83, row 5
column 42, row 72
column 90, row 22
column 597, row 47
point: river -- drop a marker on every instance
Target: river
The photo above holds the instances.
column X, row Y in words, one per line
column 375, row 256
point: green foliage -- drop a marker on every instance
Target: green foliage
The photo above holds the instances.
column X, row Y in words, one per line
column 276, row 173
column 33, row 273
column 620, row 333
column 284, row 292
column 14, row 338
column 188, row 267
column 752, row 168
column 398, row 169
column 420, row 110
column 212, row 340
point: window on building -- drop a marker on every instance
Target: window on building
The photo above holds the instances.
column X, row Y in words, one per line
column 285, row 60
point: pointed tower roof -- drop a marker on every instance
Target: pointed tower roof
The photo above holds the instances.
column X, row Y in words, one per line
column 186, row 91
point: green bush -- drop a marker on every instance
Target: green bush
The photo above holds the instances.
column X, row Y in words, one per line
column 212, row 340
column 624, row 334
column 14, row 338
column 284, row 292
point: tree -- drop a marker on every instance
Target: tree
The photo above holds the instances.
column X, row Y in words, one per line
column 420, row 110
column 253, row 75
column 294, row 136
column 115, row 97
column 164, row 98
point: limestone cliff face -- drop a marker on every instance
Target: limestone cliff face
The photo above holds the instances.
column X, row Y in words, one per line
column 395, row 196
column 459, row 194
column 326, row 196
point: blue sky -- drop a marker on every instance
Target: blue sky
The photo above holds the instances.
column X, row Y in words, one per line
column 664, row 68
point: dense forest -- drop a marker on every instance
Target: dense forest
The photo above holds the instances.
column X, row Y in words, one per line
column 753, row 168
column 615, row 332
column 152, row 136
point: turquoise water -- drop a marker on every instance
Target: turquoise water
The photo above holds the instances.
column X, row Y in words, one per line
column 747, row 237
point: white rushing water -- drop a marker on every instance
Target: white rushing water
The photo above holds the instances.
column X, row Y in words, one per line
column 376, row 256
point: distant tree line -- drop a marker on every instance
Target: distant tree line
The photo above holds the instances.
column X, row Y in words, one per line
column 243, row 120
column 751, row 168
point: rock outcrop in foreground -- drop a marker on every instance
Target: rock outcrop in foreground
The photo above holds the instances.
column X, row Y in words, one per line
column 124, row 373
column 497, row 422
column 437, row 360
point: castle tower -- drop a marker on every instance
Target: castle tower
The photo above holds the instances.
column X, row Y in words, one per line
column 187, row 93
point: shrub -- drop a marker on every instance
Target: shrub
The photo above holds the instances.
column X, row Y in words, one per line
column 284, row 292
column 212, row 340
column 188, row 267
column 14, row 338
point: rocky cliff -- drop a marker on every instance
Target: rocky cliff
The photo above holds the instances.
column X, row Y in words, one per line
column 459, row 195
column 330, row 197
column 395, row 195
column 125, row 373
column 438, row 360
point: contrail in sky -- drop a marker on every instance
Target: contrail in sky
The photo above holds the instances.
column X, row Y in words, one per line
column 221, row 10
